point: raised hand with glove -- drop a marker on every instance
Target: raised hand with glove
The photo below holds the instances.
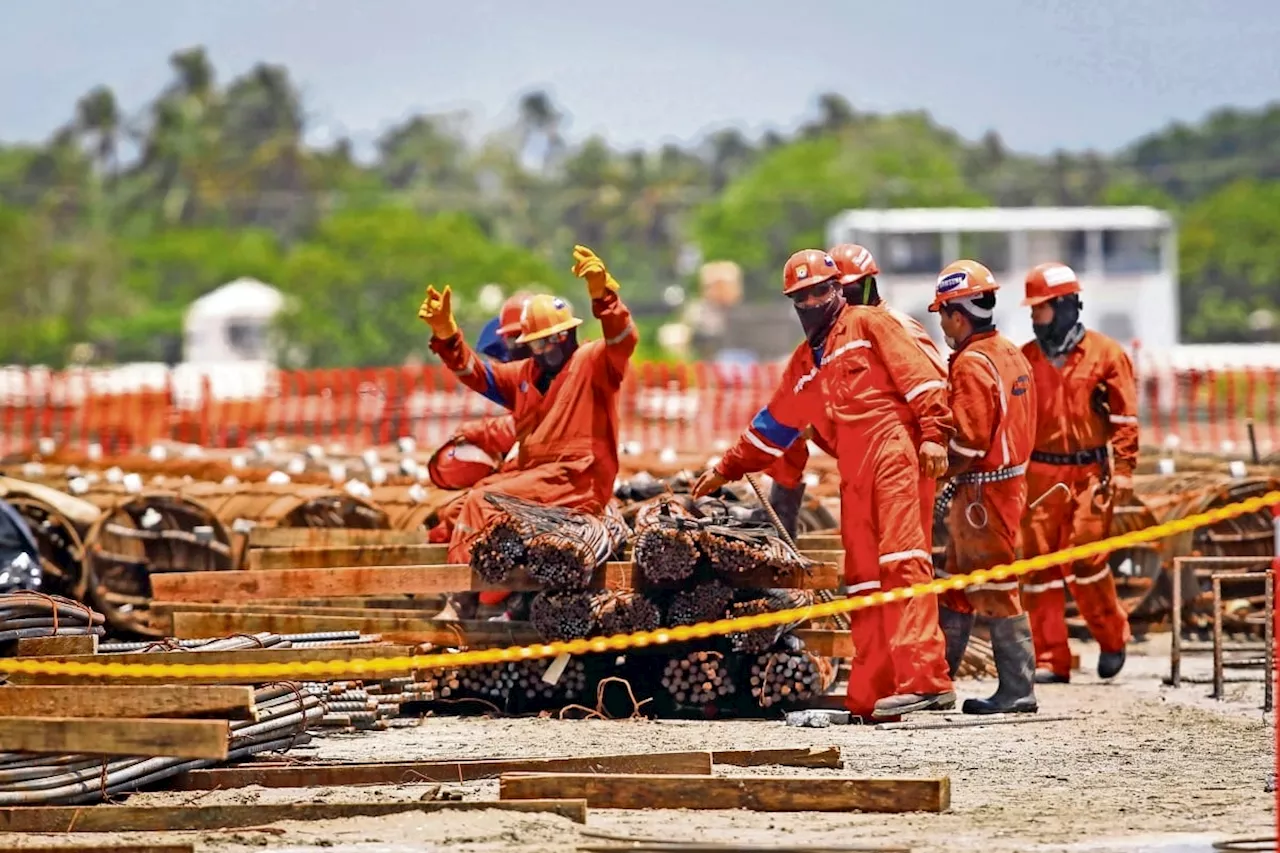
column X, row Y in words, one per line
column 587, row 265
column 437, row 312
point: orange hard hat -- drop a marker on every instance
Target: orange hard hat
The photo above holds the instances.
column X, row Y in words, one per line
column 545, row 315
column 460, row 465
column 807, row 268
column 1049, row 281
column 962, row 280
column 509, row 316
column 854, row 262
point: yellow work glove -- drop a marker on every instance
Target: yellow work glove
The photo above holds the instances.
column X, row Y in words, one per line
column 437, row 312
column 587, row 265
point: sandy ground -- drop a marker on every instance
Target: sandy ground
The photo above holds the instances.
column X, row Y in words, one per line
column 1138, row 766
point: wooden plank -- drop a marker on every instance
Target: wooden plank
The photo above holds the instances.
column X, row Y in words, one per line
column 286, row 584
column 177, row 700
column 395, row 629
column 321, row 537
column 51, row 819
column 812, row 757
column 828, row 643
column 116, row 736
column 418, row 554
column 767, row 793
column 256, row 656
column 819, row 542
column 398, row 773
column 106, row 847
column 75, row 644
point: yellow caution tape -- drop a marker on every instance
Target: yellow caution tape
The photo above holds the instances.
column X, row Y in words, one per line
column 322, row 670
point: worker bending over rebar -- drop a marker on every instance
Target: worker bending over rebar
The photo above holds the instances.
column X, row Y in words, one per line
column 858, row 271
column 990, row 392
column 859, row 368
column 564, row 399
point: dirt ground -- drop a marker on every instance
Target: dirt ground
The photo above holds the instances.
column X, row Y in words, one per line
column 1137, row 766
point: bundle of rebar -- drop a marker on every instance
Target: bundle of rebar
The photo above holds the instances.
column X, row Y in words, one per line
column 284, row 712
column 500, row 549
column 563, row 615
column 620, row 612
column 665, row 547
column 761, row 640
column 562, row 547
column 262, row 640
column 705, row 602
column 785, row 676
column 33, row 614
column 698, row 678
column 485, row 681
column 429, row 685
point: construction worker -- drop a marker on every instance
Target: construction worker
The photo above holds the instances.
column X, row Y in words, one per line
column 564, row 399
column 1087, row 397
column 858, row 271
column 861, row 370
column 990, row 393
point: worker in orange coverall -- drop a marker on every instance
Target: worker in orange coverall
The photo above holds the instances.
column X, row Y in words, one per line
column 1087, row 396
column 862, row 371
column 564, row 399
column 990, row 392
column 858, row 271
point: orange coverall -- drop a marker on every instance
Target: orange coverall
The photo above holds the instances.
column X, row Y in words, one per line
column 568, row 436
column 882, row 397
column 496, row 437
column 991, row 395
column 1071, row 448
column 788, row 471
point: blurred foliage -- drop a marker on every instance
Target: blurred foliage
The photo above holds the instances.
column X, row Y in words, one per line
column 114, row 225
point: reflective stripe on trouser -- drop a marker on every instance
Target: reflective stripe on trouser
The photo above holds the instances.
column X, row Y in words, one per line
column 550, row 484
column 899, row 647
column 1061, row 522
column 971, row 548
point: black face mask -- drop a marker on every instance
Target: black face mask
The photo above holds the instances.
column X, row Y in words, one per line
column 862, row 292
column 518, row 352
column 553, row 359
column 1066, row 314
column 816, row 320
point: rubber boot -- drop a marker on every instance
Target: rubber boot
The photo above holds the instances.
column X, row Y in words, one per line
column 1048, row 676
column 1015, row 667
column 909, row 703
column 786, row 503
column 955, row 627
column 1110, row 663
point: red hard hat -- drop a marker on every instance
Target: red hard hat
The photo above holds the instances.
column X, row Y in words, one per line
column 1049, row 281
column 460, row 465
column 807, row 268
column 961, row 280
column 854, row 262
column 509, row 316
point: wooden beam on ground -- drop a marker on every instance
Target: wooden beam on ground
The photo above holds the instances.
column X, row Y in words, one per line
column 75, row 644
column 399, row 773
column 106, row 847
column 830, row 644
column 285, row 584
column 322, row 537
column 418, row 554
column 811, row 757
column 170, row 700
column 118, row 736
column 770, row 794
column 819, row 542
column 253, row 656
column 51, row 819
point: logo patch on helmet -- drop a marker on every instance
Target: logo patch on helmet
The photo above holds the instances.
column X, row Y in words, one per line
column 953, row 281
column 828, row 260
column 802, row 271
column 559, row 304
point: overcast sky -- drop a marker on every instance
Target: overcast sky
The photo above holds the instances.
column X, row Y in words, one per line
column 1044, row 73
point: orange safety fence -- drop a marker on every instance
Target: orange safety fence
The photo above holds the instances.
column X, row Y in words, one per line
column 692, row 406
